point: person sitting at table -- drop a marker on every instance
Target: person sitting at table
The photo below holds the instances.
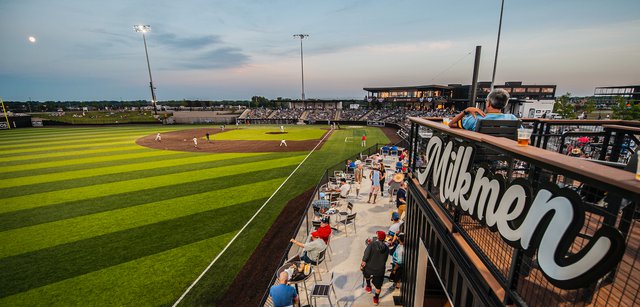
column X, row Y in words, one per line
column 312, row 249
column 344, row 188
column 373, row 264
column 283, row 294
column 496, row 101
column 321, row 205
column 324, row 231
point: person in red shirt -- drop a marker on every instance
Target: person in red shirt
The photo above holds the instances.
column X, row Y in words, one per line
column 364, row 140
column 324, row 231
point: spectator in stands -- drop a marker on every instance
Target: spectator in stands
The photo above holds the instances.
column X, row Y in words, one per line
column 496, row 101
column 283, row 294
column 397, row 262
column 324, row 231
column 373, row 264
column 312, row 249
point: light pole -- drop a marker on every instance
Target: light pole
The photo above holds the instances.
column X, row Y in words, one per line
column 301, row 36
column 144, row 29
column 495, row 61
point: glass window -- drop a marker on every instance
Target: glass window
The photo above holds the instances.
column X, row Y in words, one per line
column 547, row 89
column 518, row 89
column 534, row 90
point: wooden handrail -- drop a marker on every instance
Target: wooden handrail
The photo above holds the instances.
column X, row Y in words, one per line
column 607, row 175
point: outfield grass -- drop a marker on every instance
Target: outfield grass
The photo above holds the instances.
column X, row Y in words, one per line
column 87, row 217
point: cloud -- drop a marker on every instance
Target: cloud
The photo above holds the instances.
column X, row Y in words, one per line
column 409, row 47
column 226, row 57
column 197, row 42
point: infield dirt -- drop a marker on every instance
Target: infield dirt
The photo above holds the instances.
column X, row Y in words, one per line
column 183, row 141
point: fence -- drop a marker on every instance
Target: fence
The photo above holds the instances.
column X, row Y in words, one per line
column 485, row 209
column 305, row 227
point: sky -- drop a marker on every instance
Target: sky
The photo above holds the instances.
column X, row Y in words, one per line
column 214, row 50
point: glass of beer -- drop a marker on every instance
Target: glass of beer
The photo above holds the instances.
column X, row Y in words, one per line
column 523, row 136
column 445, row 121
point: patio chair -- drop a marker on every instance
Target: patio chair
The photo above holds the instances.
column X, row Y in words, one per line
column 344, row 214
column 351, row 219
column 319, row 262
column 324, row 291
column 498, row 128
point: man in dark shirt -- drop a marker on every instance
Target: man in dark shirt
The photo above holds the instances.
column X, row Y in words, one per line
column 373, row 264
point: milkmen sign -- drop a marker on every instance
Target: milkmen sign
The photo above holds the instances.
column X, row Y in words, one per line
column 547, row 221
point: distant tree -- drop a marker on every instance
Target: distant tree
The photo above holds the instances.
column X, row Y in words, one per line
column 564, row 107
column 589, row 106
column 259, row 101
column 623, row 109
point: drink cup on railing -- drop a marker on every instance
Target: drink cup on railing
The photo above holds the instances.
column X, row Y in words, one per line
column 523, row 136
column 445, row 121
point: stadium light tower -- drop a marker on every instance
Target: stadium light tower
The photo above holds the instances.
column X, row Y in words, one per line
column 495, row 61
column 301, row 37
column 144, row 29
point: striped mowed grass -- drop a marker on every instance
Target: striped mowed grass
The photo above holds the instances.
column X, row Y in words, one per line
column 87, row 217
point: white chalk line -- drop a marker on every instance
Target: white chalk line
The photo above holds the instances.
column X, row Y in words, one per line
column 245, row 225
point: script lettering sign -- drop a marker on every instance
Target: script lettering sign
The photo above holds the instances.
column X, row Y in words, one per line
column 546, row 221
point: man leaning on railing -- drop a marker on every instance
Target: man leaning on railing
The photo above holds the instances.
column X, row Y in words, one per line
column 496, row 101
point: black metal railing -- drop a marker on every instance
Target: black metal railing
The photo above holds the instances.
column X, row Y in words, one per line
column 607, row 199
column 304, row 226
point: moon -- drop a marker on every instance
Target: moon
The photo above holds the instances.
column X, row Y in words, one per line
column 32, row 39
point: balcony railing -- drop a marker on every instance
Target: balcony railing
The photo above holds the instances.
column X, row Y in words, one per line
column 534, row 218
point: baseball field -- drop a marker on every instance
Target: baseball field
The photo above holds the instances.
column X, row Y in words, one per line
column 99, row 216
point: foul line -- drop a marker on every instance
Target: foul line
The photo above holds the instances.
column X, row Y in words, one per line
column 247, row 224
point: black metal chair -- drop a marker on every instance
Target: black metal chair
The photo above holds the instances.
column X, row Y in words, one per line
column 351, row 219
column 498, row 128
column 324, row 291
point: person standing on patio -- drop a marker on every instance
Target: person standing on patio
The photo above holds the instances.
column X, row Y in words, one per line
column 375, row 183
column 358, row 179
column 283, row 294
column 373, row 264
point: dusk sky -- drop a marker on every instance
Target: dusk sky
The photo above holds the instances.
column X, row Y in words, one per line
column 88, row 50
